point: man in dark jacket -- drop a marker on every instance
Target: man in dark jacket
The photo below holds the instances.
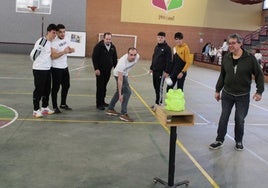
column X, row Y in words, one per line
column 104, row 58
column 234, row 83
column 161, row 57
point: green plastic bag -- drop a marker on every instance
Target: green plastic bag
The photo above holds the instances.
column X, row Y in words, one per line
column 175, row 100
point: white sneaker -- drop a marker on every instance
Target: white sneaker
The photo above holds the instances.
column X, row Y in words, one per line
column 37, row 113
column 46, row 111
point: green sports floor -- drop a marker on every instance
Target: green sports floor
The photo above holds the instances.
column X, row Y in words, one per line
column 85, row 148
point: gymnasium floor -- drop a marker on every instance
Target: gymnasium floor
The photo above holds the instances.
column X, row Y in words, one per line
column 84, row 148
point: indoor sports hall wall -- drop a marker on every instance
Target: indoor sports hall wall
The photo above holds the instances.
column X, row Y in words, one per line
column 19, row 31
column 211, row 20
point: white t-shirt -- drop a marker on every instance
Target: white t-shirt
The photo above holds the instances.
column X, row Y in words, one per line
column 43, row 61
column 59, row 45
column 124, row 65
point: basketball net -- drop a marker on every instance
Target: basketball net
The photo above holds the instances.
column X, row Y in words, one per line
column 33, row 8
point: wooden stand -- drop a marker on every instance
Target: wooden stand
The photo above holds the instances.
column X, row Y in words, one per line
column 173, row 119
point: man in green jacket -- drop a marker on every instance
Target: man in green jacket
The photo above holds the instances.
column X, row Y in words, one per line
column 234, row 81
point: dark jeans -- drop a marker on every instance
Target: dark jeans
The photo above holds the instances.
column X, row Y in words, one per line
column 241, row 110
column 60, row 77
column 158, row 82
column 42, row 84
column 180, row 82
column 101, row 84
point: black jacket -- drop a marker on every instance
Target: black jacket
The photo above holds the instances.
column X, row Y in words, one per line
column 176, row 66
column 239, row 83
column 103, row 59
column 161, row 57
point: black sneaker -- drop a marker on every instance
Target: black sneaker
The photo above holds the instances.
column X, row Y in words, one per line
column 216, row 145
column 100, row 107
column 57, row 111
column 239, row 146
column 65, row 107
column 105, row 104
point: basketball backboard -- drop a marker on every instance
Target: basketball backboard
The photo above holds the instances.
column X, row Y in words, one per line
column 34, row 6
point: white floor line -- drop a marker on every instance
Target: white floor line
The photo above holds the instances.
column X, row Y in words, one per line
column 14, row 119
column 230, row 137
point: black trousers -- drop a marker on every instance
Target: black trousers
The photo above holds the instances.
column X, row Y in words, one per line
column 158, row 83
column 42, row 84
column 101, row 84
column 60, row 77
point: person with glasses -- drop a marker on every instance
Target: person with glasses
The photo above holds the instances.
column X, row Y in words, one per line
column 177, row 68
column 233, row 89
column 123, row 91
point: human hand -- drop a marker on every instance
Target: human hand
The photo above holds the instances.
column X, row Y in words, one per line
column 180, row 75
column 97, row 72
column 257, row 97
column 217, row 96
column 166, row 75
column 66, row 50
column 121, row 98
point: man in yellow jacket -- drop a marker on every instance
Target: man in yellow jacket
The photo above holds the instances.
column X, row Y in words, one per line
column 177, row 69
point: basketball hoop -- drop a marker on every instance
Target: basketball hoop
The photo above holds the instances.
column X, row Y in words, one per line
column 33, row 8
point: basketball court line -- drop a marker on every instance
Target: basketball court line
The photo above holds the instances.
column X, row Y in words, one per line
column 14, row 118
column 212, row 182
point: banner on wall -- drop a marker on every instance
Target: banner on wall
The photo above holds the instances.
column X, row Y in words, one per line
column 167, row 12
column 193, row 13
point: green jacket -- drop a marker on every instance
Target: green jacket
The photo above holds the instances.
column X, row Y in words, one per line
column 239, row 83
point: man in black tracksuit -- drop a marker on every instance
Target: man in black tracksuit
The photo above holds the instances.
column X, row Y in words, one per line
column 161, row 57
column 104, row 58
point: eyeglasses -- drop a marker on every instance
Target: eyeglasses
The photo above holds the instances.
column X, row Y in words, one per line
column 232, row 43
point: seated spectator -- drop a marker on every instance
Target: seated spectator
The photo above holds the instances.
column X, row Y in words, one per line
column 224, row 47
column 219, row 55
column 205, row 49
column 212, row 53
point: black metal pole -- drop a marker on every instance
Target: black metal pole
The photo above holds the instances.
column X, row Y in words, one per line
column 172, row 154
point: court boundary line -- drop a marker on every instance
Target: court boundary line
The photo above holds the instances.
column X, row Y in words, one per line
column 13, row 120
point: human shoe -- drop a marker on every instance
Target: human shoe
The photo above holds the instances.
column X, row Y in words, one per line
column 239, row 146
column 216, row 145
column 65, row 107
column 153, row 107
column 105, row 104
column 37, row 113
column 126, row 118
column 46, row 111
column 112, row 113
column 100, row 107
column 57, row 110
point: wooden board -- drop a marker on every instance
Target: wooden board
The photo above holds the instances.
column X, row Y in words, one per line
column 173, row 118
